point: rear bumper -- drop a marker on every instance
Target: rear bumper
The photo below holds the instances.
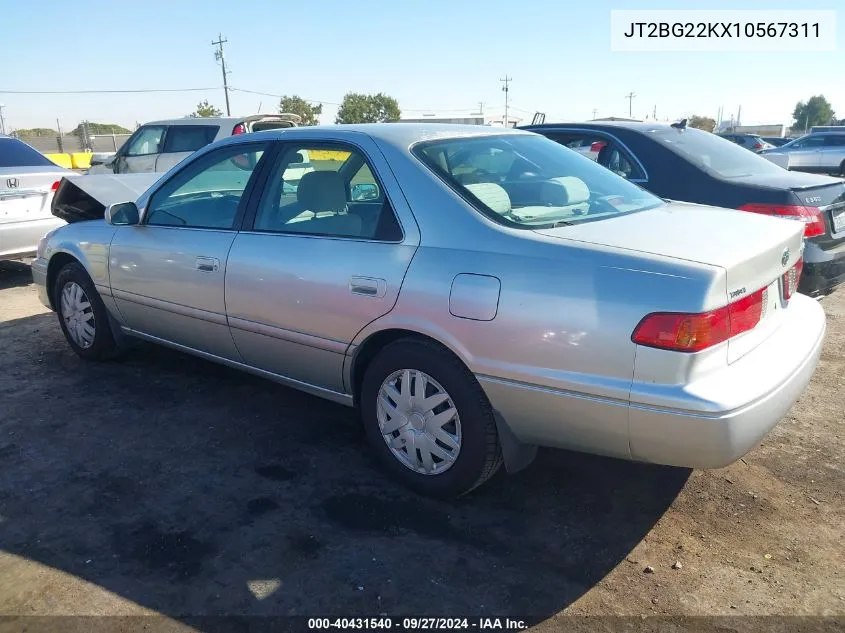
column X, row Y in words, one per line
column 770, row 379
column 39, row 276
column 709, row 424
column 823, row 270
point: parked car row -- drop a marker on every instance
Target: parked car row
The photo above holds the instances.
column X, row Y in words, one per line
column 493, row 293
column 680, row 163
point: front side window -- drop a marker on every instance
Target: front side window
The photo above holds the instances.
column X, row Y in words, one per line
column 528, row 181
column 147, row 140
column 834, row 140
column 207, row 193
column 188, row 138
column 329, row 191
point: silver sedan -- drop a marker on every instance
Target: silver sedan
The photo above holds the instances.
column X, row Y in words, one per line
column 476, row 293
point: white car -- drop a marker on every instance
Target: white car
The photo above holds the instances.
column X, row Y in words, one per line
column 159, row 145
column 27, row 183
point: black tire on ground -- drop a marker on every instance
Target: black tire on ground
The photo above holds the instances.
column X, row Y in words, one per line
column 842, row 169
column 103, row 346
column 480, row 453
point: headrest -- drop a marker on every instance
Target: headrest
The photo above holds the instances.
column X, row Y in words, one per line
column 322, row 191
column 492, row 195
column 564, row 191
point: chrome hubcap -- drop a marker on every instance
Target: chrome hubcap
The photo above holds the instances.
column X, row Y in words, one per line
column 78, row 315
column 419, row 422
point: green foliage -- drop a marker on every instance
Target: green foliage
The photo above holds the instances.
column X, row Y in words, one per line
column 816, row 111
column 205, row 110
column 363, row 108
column 702, row 123
column 101, row 128
column 294, row 104
column 37, row 131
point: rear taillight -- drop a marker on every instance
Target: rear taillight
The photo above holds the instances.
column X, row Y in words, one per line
column 683, row 332
column 55, row 186
column 791, row 278
column 597, row 146
column 810, row 216
column 758, row 146
column 240, row 128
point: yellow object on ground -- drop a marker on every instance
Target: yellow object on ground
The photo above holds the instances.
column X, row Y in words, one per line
column 81, row 160
column 62, row 160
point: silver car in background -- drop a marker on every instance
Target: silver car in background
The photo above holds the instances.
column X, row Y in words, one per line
column 27, row 183
column 820, row 152
column 492, row 292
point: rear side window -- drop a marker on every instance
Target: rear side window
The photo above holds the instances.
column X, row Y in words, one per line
column 834, row 140
column 15, row 153
column 189, row 138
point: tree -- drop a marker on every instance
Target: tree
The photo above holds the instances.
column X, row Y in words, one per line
column 702, row 123
column 363, row 108
column 205, row 110
column 37, row 131
column 817, row 111
column 294, row 104
column 100, row 128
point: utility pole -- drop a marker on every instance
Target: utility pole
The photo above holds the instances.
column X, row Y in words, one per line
column 218, row 55
column 595, row 111
column 505, row 89
column 654, row 114
column 739, row 116
column 630, row 97
column 2, row 120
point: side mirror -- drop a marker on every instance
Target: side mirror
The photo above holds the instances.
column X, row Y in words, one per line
column 122, row 214
column 364, row 191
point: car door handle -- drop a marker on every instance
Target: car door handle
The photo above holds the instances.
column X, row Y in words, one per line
column 208, row 264
column 368, row 286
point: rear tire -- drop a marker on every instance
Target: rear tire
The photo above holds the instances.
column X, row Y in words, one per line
column 82, row 315
column 441, row 438
column 842, row 169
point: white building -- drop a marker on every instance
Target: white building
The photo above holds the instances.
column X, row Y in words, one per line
column 463, row 118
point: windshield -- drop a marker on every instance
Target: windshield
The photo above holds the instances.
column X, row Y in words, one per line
column 15, row 153
column 528, row 181
column 713, row 153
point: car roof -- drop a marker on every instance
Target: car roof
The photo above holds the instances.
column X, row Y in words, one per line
column 398, row 134
column 215, row 120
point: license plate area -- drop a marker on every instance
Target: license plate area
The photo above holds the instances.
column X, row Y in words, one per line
column 837, row 218
column 19, row 209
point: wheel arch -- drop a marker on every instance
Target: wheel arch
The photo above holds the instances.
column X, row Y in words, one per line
column 58, row 261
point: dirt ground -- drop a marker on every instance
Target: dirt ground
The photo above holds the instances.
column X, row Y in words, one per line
column 161, row 483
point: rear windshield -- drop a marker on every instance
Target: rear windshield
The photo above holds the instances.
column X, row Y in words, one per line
column 260, row 126
column 527, row 181
column 15, row 153
column 712, row 153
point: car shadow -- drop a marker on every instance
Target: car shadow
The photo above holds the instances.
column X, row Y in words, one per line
column 14, row 274
column 196, row 490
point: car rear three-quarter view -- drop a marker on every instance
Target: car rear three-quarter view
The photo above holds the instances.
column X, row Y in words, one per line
column 493, row 292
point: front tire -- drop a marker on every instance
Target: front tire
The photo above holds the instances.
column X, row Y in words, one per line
column 82, row 315
column 428, row 420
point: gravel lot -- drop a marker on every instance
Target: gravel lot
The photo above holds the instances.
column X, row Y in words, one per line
column 161, row 483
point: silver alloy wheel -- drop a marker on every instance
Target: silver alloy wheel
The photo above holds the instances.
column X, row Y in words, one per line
column 78, row 315
column 419, row 422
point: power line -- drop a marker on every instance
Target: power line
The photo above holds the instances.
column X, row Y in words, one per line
column 92, row 92
column 218, row 55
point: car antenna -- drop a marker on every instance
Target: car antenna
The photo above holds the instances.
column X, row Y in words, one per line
column 680, row 125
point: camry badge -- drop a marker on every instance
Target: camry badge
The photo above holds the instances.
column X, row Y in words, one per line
column 785, row 257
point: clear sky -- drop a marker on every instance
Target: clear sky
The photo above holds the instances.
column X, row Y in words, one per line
column 433, row 55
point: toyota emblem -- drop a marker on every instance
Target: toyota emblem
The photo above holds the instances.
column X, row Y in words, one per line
column 785, row 257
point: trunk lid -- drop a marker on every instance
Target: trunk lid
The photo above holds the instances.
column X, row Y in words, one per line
column 260, row 122
column 25, row 192
column 754, row 250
